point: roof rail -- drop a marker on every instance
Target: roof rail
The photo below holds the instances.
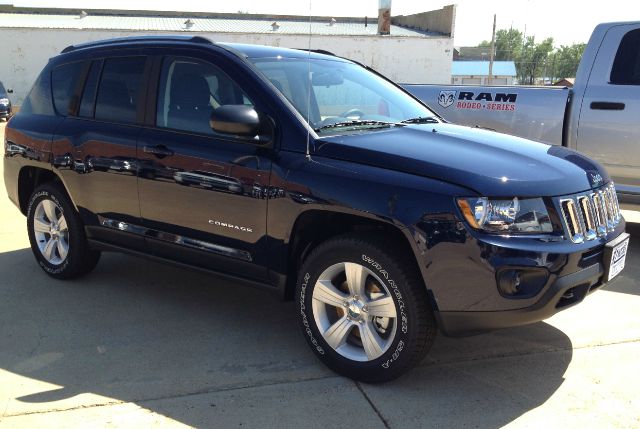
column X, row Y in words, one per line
column 318, row 51
column 134, row 39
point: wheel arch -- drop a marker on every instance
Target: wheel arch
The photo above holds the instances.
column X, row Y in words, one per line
column 315, row 226
column 29, row 178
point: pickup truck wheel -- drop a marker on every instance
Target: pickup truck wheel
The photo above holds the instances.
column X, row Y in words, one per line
column 363, row 311
column 57, row 235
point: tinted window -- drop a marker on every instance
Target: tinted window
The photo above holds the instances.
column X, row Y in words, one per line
column 190, row 90
column 626, row 67
column 3, row 91
column 39, row 102
column 119, row 89
column 64, row 79
column 89, row 94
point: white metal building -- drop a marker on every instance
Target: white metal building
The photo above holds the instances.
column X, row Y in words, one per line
column 477, row 73
column 418, row 50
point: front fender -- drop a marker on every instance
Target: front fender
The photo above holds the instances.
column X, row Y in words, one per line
column 422, row 209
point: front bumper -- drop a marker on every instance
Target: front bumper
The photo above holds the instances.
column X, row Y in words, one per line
column 5, row 112
column 466, row 295
column 563, row 293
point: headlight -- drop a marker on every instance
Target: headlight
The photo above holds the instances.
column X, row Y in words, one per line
column 506, row 216
column 4, row 101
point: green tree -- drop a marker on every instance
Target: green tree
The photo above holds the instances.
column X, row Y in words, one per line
column 565, row 61
column 509, row 44
column 530, row 57
column 533, row 59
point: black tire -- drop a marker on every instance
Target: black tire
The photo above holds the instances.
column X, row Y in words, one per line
column 415, row 324
column 79, row 259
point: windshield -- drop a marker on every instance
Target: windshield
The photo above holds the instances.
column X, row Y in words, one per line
column 3, row 92
column 343, row 95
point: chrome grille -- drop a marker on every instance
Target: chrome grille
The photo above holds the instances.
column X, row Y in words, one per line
column 591, row 215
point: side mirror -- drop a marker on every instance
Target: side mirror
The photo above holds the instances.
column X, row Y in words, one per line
column 236, row 119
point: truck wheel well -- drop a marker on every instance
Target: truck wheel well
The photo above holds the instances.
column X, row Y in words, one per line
column 314, row 227
column 29, row 179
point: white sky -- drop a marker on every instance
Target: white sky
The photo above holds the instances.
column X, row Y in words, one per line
column 566, row 21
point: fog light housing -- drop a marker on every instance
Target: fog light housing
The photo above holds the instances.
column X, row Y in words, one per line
column 521, row 283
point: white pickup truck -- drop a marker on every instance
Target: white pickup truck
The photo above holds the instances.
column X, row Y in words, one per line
column 599, row 116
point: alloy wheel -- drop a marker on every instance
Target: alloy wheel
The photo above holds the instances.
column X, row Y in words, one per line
column 354, row 311
column 51, row 232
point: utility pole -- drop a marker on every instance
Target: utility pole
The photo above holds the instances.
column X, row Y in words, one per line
column 493, row 51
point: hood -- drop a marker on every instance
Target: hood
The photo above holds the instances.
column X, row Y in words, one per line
column 490, row 163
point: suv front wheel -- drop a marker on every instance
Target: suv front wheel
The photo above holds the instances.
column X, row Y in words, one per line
column 57, row 235
column 363, row 311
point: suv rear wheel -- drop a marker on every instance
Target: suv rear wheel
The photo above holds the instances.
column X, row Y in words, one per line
column 363, row 311
column 57, row 236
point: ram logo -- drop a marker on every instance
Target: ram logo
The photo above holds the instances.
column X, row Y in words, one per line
column 446, row 98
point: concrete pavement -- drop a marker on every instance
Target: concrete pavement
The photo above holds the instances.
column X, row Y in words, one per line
column 138, row 344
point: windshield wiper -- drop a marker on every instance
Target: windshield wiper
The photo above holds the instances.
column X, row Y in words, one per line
column 355, row 123
column 421, row 120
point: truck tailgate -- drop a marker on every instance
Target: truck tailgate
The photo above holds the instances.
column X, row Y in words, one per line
column 529, row 112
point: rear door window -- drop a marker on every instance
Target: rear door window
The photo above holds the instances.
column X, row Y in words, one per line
column 88, row 100
column 626, row 67
column 63, row 81
column 120, row 89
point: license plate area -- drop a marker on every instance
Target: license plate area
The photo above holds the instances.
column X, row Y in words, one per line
column 615, row 254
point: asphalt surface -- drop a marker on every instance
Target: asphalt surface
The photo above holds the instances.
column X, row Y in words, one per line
column 138, row 344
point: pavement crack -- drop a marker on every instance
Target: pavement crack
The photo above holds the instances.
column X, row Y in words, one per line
column 77, row 407
column 523, row 353
column 140, row 401
column 375, row 409
column 37, row 346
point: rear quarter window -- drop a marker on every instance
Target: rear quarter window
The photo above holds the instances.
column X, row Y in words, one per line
column 39, row 100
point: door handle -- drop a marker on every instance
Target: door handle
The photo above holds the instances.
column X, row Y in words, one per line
column 160, row 151
column 606, row 105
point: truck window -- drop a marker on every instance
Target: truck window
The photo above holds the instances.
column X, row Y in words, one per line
column 88, row 100
column 189, row 91
column 121, row 80
column 63, row 81
column 626, row 67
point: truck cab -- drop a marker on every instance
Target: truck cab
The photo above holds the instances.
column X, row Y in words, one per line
column 605, row 106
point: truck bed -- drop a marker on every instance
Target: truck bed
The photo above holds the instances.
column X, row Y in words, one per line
column 531, row 112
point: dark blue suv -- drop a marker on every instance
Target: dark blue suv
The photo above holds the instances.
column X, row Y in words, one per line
column 313, row 176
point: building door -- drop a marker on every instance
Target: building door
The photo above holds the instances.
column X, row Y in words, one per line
column 471, row 81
